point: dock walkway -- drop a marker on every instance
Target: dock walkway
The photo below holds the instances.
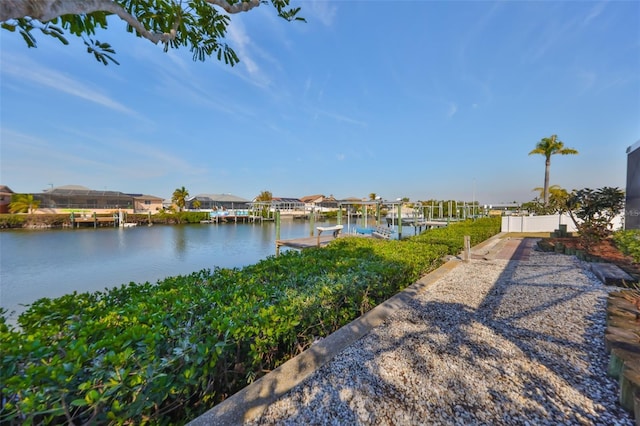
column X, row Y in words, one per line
column 318, row 241
column 303, row 243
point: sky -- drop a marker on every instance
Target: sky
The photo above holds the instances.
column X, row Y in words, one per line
column 417, row 99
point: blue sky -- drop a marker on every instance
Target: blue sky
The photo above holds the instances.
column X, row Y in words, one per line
column 417, row 99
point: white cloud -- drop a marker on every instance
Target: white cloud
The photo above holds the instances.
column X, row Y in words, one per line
column 241, row 41
column 307, row 86
column 324, row 11
column 452, row 110
column 179, row 80
column 28, row 71
column 342, row 118
column 245, row 48
column 594, row 13
column 152, row 158
column 65, row 161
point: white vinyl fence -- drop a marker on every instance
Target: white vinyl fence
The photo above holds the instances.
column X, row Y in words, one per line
column 547, row 223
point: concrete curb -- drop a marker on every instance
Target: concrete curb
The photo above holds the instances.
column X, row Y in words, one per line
column 252, row 401
column 489, row 248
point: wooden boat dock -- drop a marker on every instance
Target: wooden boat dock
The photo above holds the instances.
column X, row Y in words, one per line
column 93, row 220
column 235, row 216
column 234, row 219
column 318, row 241
column 303, row 243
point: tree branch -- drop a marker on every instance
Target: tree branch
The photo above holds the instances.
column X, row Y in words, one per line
column 241, row 6
column 46, row 10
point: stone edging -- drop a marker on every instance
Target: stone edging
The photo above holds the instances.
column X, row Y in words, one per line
column 252, row 400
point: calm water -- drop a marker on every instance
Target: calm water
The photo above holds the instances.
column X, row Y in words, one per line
column 51, row 263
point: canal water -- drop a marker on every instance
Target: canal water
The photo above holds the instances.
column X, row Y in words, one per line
column 51, row 263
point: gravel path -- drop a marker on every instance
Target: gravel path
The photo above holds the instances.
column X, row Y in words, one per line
column 493, row 342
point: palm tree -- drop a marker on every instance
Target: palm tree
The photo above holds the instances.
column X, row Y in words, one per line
column 558, row 198
column 264, row 199
column 548, row 147
column 264, row 196
column 372, row 197
column 23, row 203
column 179, row 197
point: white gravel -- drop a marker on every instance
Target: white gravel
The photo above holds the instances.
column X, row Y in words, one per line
column 493, row 342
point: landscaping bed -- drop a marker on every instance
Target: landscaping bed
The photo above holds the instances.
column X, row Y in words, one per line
column 609, row 250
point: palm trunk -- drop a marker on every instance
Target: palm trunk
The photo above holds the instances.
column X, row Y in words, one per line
column 547, row 166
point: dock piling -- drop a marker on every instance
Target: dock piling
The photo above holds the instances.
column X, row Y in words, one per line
column 277, row 217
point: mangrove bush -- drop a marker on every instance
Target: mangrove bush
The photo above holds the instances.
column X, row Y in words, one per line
column 164, row 353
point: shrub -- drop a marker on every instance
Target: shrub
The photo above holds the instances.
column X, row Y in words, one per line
column 166, row 352
column 628, row 242
column 172, row 218
column 596, row 210
column 12, row 220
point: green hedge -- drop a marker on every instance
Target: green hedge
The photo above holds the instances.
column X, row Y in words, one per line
column 164, row 353
column 628, row 242
column 22, row 220
column 12, row 220
column 173, row 218
column 453, row 236
column 62, row 220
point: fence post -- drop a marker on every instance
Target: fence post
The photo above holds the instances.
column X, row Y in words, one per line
column 400, row 221
column 466, row 254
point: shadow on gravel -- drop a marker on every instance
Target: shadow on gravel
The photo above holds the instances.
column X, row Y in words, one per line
column 554, row 378
column 450, row 331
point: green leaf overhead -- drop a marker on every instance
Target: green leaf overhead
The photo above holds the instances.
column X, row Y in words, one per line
column 199, row 25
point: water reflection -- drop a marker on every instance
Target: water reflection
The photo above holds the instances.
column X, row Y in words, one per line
column 52, row 263
column 179, row 241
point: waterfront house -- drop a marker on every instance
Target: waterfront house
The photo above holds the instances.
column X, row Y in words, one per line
column 292, row 207
column 320, row 203
column 146, row 203
column 68, row 198
column 5, row 198
column 288, row 205
column 218, row 202
column 76, row 197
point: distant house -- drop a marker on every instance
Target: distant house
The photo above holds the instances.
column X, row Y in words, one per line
column 5, row 198
column 312, row 199
column 287, row 204
column 319, row 202
column 76, row 197
column 218, row 202
column 353, row 201
column 632, row 207
column 146, row 203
